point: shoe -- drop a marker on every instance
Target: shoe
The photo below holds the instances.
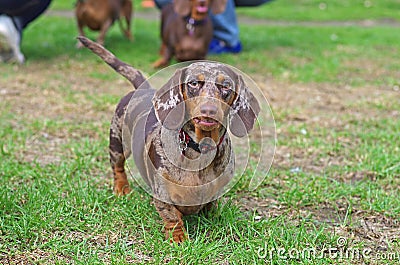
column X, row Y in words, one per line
column 219, row 47
column 10, row 39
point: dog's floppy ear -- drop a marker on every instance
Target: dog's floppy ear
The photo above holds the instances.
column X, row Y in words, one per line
column 218, row 6
column 244, row 110
column 182, row 7
column 168, row 102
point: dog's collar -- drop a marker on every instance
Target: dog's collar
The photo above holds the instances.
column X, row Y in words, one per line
column 186, row 141
column 191, row 23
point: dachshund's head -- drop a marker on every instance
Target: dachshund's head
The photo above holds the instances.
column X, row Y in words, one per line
column 209, row 95
column 198, row 9
column 193, row 43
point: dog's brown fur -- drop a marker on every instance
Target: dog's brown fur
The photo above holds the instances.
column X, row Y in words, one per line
column 183, row 39
column 199, row 101
column 99, row 15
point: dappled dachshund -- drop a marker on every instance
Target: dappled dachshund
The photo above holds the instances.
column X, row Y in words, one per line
column 186, row 29
column 99, row 15
column 178, row 136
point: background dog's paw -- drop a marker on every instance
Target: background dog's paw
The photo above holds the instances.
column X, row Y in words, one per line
column 128, row 35
column 160, row 63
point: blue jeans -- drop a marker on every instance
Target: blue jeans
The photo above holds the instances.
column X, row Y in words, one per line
column 225, row 24
column 23, row 12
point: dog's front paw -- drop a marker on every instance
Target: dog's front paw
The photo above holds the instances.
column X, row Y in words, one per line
column 128, row 35
column 176, row 235
column 122, row 190
column 160, row 63
column 121, row 185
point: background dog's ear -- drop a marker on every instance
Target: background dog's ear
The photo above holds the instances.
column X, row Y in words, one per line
column 218, row 6
column 244, row 110
column 168, row 102
column 182, row 7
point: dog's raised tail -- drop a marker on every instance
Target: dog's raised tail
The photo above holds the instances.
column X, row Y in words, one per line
column 133, row 75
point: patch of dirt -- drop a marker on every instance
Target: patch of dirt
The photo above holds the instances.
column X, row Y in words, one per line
column 315, row 107
column 44, row 92
column 98, row 243
column 102, row 241
column 375, row 230
column 44, row 152
column 36, row 256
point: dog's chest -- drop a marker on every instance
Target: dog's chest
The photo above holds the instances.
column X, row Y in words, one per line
column 193, row 169
column 190, row 179
column 95, row 13
column 188, row 166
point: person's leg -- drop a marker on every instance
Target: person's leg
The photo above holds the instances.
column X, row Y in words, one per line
column 23, row 12
column 15, row 15
column 250, row 2
column 226, row 31
column 161, row 3
column 10, row 39
column 225, row 25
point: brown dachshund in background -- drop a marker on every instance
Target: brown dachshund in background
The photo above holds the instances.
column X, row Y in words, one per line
column 99, row 15
column 177, row 135
column 186, row 29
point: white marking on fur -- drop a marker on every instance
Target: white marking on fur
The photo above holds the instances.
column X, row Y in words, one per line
column 170, row 103
column 241, row 102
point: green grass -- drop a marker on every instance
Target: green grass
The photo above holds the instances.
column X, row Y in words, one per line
column 333, row 91
column 315, row 10
column 302, row 10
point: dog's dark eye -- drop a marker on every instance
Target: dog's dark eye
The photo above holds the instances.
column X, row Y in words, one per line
column 226, row 85
column 226, row 88
column 194, row 84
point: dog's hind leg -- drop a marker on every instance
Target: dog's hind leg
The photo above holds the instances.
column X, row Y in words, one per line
column 121, row 184
column 126, row 13
column 81, row 33
column 117, row 155
column 103, row 30
column 166, row 56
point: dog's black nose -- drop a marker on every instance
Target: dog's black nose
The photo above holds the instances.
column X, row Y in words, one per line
column 208, row 110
